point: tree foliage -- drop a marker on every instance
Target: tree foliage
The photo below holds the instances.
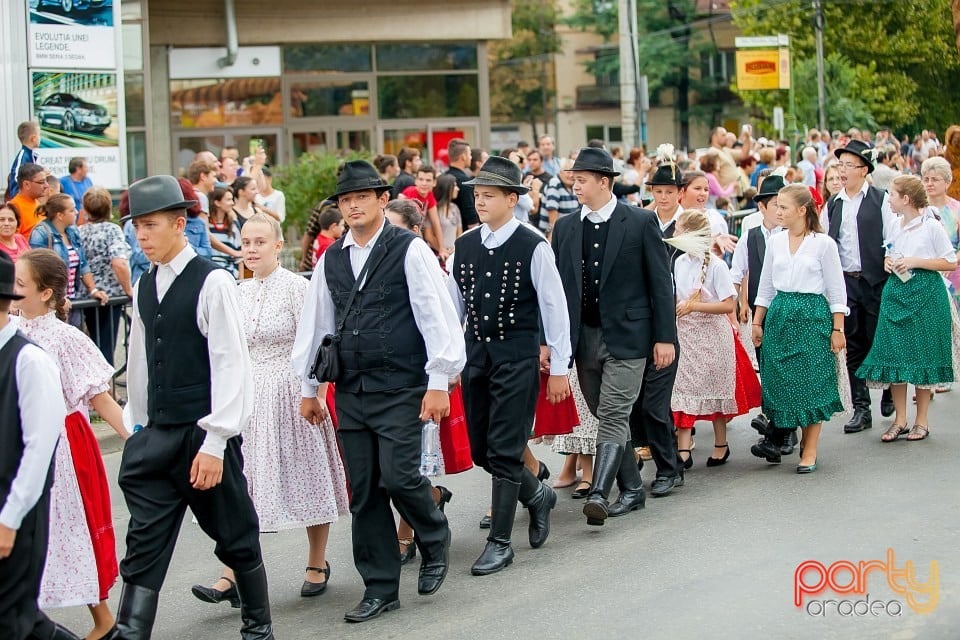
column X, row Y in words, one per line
column 521, row 69
column 306, row 182
column 896, row 59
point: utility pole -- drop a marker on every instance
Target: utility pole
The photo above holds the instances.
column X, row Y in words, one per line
column 818, row 24
column 628, row 73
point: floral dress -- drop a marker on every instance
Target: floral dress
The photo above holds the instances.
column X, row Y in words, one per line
column 294, row 472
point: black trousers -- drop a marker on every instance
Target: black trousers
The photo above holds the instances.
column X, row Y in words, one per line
column 155, row 480
column 500, row 401
column 651, row 420
column 20, row 574
column 380, row 442
column 860, row 327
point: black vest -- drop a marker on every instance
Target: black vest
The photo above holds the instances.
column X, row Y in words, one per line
column 11, row 429
column 178, row 362
column 594, row 243
column 756, row 250
column 381, row 347
column 869, row 230
column 502, row 312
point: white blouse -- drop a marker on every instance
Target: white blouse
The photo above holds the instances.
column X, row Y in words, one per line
column 717, row 286
column 922, row 237
column 814, row 268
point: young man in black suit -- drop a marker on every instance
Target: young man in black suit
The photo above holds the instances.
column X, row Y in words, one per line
column 620, row 300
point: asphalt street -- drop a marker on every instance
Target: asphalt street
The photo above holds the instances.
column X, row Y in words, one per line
column 716, row 559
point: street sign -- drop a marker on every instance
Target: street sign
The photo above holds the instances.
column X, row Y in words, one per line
column 774, row 42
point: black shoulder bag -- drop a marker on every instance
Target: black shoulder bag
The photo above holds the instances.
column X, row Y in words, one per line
column 326, row 366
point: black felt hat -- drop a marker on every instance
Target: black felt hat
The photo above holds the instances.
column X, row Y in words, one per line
column 595, row 160
column 7, row 277
column 770, row 187
column 499, row 172
column 358, row 175
column 666, row 175
column 153, row 194
column 862, row 150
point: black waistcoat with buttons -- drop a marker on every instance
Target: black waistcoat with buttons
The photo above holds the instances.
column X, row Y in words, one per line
column 11, row 428
column 178, row 363
column 594, row 242
column 756, row 251
column 869, row 232
column 502, row 312
column 381, row 348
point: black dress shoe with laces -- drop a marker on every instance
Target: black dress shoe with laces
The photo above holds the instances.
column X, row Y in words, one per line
column 860, row 421
column 433, row 571
column 663, row 485
column 768, row 450
column 370, row 608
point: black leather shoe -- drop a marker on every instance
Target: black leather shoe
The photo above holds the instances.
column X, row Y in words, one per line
column 768, row 450
column 628, row 501
column 886, row 404
column 498, row 552
column 433, row 571
column 410, row 551
column 606, row 466
column 860, row 421
column 539, row 499
column 663, row 485
column 543, row 472
column 310, row 589
column 255, row 620
column 789, row 443
column 485, row 522
column 760, row 424
column 445, row 496
column 370, row 608
column 632, row 496
column 717, row 462
column 209, row 594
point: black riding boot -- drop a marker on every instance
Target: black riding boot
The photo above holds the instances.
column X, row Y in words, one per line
column 137, row 612
column 605, row 468
column 254, row 604
column 539, row 499
column 632, row 496
column 503, row 508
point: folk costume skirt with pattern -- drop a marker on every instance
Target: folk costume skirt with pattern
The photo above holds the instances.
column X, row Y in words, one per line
column 913, row 340
column 715, row 378
column 798, row 369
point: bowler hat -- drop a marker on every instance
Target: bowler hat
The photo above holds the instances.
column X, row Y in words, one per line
column 595, row 160
column 499, row 172
column 666, row 175
column 153, row 194
column 358, row 175
column 770, row 187
column 862, row 150
column 7, row 276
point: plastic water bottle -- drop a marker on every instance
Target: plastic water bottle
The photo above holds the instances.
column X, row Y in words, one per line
column 896, row 255
column 430, row 449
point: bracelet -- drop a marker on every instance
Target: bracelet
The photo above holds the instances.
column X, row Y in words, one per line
column 757, row 325
column 839, row 330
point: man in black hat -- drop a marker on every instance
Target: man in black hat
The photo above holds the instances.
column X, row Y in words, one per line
column 190, row 394
column 620, row 300
column 651, row 419
column 745, row 270
column 856, row 218
column 31, row 416
column 505, row 283
column 401, row 344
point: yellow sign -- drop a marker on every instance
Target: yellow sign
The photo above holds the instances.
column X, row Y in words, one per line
column 763, row 69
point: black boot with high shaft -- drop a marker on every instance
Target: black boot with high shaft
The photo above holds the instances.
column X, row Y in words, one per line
column 539, row 499
column 137, row 612
column 503, row 506
column 605, row 468
column 632, row 496
column 254, row 604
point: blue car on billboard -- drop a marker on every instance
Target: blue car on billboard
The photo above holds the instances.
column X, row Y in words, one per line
column 69, row 113
column 69, row 6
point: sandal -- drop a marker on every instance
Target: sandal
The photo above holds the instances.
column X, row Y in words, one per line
column 894, row 432
column 918, row 432
column 582, row 492
column 410, row 550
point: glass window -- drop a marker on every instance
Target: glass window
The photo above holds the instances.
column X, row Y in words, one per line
column 136, row 156
column 396, row 139
column 595, row 132
column 327, row 57
column 426, row 57
column 133, row 93
column 329, row 98
column 304, row 142
column 353, row 140
column 448, row 96
column 236, row 102
column 132, row 35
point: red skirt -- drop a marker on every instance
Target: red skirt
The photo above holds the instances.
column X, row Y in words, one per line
column 747, row 392
column 454, row 439
column 554, row 419
column 95, row 493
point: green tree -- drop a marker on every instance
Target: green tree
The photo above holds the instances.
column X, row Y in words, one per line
column 900, row 56
column 521, row 69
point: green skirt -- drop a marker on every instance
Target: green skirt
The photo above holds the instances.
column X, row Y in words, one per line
column 912, row 344
column 797, row 368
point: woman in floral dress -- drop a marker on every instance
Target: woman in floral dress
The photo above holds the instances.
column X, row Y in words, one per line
column 293, row 468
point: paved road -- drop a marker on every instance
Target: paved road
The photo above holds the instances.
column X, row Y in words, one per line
column 714, row 560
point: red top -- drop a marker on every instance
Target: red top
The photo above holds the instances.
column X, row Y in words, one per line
column 320, row 245
column 426, row 202
column 21, row 246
